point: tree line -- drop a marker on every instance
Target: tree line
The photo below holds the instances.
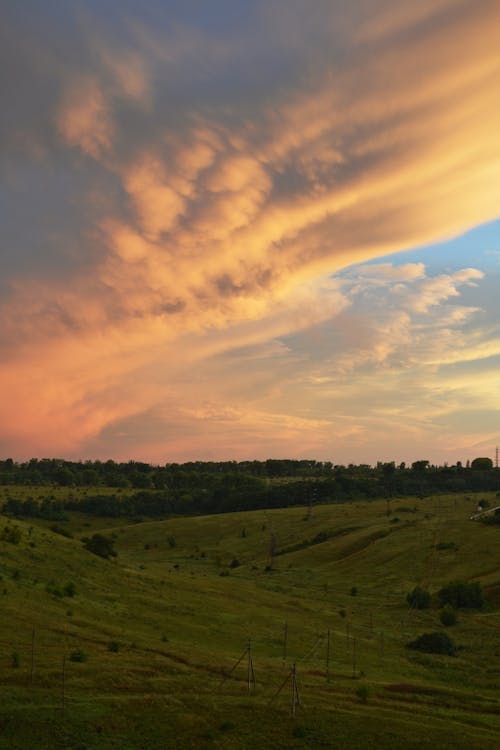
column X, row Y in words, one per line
column 218, row 487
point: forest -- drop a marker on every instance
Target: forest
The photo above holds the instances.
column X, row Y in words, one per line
column 197, row 488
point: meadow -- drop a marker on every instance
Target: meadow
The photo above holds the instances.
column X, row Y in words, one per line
column 188, row 637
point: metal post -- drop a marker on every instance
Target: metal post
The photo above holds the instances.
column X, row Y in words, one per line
column 328, row 656
column 32, row 670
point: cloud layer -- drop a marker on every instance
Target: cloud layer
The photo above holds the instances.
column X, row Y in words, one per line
column 181, row 194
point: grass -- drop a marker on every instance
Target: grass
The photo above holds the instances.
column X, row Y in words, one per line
column 181, row 626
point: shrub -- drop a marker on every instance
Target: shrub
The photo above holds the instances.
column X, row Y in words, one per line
column 448, row 616
column 434, row 643
column 460, row 595
column 235, row 563
column 354, row 591
column 57, row 529
column 11, row 534
column 419, row 598
column 69, row 589
column 15, row 660
column 99, row 545
column 78, row 656
column 51, row 588
column 363, row 693
column 114, row 647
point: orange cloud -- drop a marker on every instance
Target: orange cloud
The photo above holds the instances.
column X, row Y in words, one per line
column 214, row 223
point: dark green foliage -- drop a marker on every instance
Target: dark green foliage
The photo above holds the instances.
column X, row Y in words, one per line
column 99, row 545
column 419, row 598
column 461, row 595
column 481, row 464
column 51, row 588
column 78, row 656
column 448, row 616
column 114, row 646
column 57, row 529
column 235, row 563
column 15, row 660
column 354, row 591
column 363, row 693
column 69, row 589
column 493, row 519
column 442, row 546
column 11, row 534
column 434, row 643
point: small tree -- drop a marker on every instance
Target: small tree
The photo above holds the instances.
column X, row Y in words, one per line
column 481, row 464
column 99, row 545
column 460, row 595
column 448, row 616
column 434, row 643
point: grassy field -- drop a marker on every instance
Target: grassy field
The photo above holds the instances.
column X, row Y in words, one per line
column 164, row 630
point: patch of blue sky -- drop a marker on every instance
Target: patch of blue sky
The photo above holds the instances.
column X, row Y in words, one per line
column 479, row 247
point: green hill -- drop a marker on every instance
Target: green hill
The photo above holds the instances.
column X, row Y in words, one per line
column 142, row 650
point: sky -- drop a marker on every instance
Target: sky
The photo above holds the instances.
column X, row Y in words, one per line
column 244, row 229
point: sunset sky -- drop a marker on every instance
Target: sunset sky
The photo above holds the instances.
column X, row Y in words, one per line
column 250, row 228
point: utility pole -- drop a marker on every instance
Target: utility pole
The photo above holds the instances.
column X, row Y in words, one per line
column 32, row 670
column 295, row 690
column 63, row 682
column 328, row 656
column 250, row 672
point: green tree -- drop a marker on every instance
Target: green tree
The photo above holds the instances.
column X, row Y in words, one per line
column 99, row 545
column 460, row 595
column 481, row 464
column 434, row 643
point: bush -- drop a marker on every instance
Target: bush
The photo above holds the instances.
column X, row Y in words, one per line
column 460, row 595
column 11, row 534
column 419, row 598
column 69, row 589
column 57, row 529
column 235, row 563
column 434, row 643
column 114, row 647
column 448, row 616
column 78, row 656
column 363, row 693
column 15, row 660
column 99, row 545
